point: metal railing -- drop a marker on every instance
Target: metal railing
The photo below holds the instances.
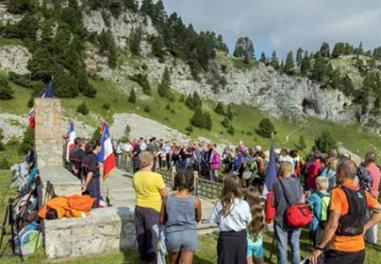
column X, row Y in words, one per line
column 202, row 187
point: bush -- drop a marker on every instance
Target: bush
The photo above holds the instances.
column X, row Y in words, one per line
column 225, row 122
column 106, row 106
column 189, row 129
column 1, row 139
column 126, row 135
column 229, row 112
column 6, row 92
column 65, row 84
column 266, row 128
column 220, row 109
column 231, row 130
column 142, row 80
column 201, row 119
column 147, row 109
column 325, row 142
column 96, row 134
column 83, row 109
column 132, row 96
column 4, row 163
column 302, row 143
column 27, row 142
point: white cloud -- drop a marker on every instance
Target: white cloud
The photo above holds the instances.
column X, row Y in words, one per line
column 285, row 24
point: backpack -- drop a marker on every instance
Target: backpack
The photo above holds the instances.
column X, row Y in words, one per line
column 364, row 177
column 323, row 217
column 297, row 215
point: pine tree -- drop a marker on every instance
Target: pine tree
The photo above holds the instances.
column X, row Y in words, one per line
column 220, row 109
column 325, row 143
column 263, row 58
column 21, row 6
column 305, row 65
column 229, row 113
column 134, row 41
column 65, row 85
column 164, row 88
column 83, row 109
column 27, row 142
column 132, row 96
column 131, row 4
column 339, row 49
column 197, row 119
column 319, row 71
column 289, row 65
column 6, row 91
column 157, row 46
column 244, row 48
column 325, row 50
column 299, row 56
column 347, row 85
column 274, row 60
column 266, row 128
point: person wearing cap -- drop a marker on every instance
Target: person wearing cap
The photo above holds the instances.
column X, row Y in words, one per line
column 313, row 170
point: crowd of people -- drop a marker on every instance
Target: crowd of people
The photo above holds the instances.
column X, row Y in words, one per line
column 341, row 195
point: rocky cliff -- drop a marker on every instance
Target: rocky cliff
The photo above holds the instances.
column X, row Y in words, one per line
column 280, row 95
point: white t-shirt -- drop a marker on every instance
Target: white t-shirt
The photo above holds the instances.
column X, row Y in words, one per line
column 237, row 219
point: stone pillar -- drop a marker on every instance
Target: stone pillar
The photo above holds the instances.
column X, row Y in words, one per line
column 48, row 137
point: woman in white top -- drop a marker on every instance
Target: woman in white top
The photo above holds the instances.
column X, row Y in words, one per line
column 232, row 214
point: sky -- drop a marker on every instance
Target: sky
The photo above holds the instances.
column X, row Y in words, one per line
column 284, row 25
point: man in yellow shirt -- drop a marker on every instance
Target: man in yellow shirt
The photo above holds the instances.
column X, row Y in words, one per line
column 347, row 224
column 150, row 191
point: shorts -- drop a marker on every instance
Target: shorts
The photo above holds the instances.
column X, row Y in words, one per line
column 255, row 249
column 178, row 240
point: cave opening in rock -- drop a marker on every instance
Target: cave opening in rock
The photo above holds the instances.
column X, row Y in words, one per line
column 309, row 105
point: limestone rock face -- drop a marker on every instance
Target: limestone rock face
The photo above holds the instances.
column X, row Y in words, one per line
column 14, row 58
column 6, row 17
column 121, row 27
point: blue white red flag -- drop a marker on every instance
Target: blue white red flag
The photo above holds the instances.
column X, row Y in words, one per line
column 106, row 155
column 70, row 140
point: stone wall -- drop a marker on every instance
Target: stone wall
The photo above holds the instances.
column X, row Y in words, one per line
column 105, row 230
column 48, row 134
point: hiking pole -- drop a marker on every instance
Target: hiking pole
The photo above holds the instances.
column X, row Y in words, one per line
column 272, row 249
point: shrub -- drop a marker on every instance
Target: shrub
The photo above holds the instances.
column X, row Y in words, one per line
column 6, row 92
column 142, row 80
column 201, row 119
column 132, row 96
column 266, row 128
column 83, row 109
column 147, row 109
column 4, row 163
column 220, row 109
column 106, row 106
column 231, row 130
column 325, row 142
column 189, row 129
column 27, row 142
column 225, row 122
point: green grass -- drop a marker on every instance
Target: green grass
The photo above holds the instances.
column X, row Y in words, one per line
column 206, row 254
column 5, row 41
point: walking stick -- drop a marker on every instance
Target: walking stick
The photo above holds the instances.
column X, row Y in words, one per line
column 272, row 249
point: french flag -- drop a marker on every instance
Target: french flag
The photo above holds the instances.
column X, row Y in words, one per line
column 71, row 138
column 270, row 179
column 106, row 155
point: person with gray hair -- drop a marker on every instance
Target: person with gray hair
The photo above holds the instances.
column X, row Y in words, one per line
column 347, row 222
column 374, row 172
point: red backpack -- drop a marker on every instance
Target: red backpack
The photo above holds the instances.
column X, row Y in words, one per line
column 297, row 215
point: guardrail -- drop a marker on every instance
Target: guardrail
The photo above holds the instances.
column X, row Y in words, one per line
column 202, row 187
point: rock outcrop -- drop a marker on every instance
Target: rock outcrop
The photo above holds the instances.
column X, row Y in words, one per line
column 14, row 58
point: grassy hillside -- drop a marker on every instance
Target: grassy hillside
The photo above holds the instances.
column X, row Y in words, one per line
column 246, row 119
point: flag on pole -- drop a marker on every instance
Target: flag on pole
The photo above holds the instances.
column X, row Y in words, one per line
column 48, row 93
column 271, row 178
column 106, row 155
column 70, row 140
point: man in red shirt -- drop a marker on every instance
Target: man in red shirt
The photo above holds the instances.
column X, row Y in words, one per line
column 374, row 171
column 313, row 171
